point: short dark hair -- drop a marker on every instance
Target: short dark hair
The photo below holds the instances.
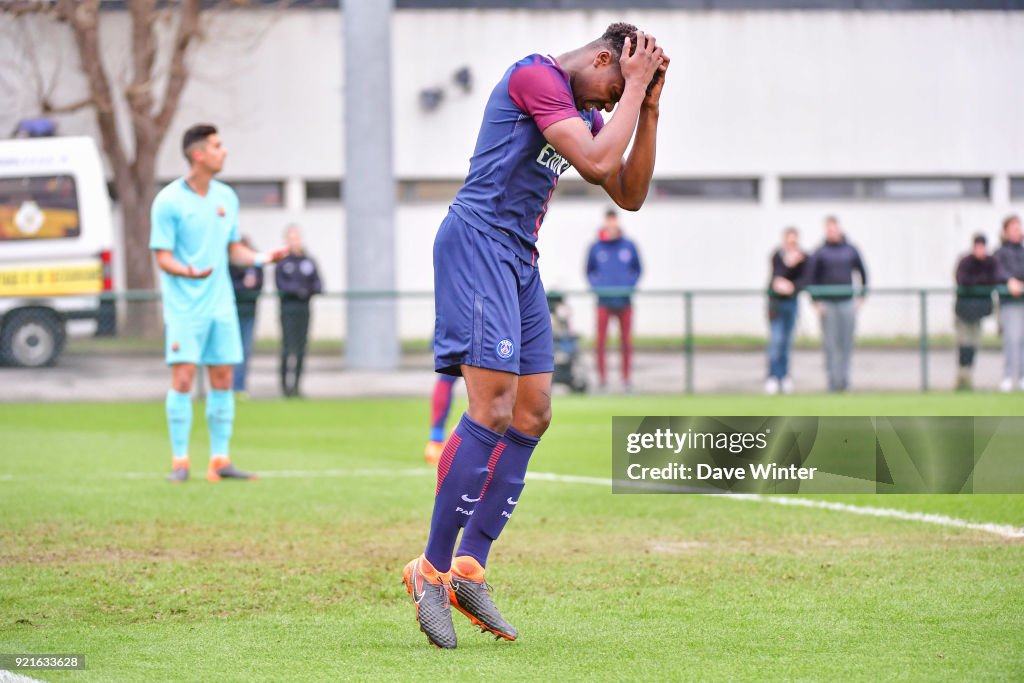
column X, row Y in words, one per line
column 615, row 37
column 979, row 238
column 831, row 218
column 790, row 230
column 611, row 213
column 196, row 134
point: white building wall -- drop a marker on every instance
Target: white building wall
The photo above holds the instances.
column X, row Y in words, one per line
column 750, row 94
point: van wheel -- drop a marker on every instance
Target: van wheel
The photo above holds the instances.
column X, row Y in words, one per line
column 31, row 339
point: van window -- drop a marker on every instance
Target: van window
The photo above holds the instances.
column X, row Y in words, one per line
column 39, row 208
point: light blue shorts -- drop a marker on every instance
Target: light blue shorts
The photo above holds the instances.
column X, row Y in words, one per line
column 203, row 340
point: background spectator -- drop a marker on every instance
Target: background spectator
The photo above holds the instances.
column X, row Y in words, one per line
column 976, row 274
column 788, row 263
column 248, row 284
column 613, row 262
column 297, row 282
column 831, row 269
column 1011, row 306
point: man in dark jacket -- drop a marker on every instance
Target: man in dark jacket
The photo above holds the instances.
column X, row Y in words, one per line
column 829, row 279
column 1011, row 305
column 297, row 281
column 248, row 283
column 613, row 262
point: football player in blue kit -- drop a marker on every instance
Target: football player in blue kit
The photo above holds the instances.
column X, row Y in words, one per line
column 492, row 322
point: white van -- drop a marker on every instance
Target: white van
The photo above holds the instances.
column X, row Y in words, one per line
column 56, row 238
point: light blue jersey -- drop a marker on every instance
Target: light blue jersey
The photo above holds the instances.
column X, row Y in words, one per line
column 197, row 231
column 201, row 322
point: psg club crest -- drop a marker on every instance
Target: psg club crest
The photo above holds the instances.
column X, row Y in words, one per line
column 505, row 349
column 221, row 212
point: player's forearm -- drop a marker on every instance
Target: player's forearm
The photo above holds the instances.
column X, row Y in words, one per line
column 605, row 154
column 241, row 255
column 636, row 173
column 170, row 265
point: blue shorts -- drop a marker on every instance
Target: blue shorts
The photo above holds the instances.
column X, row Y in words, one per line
column 490, row 306
column 203, row 340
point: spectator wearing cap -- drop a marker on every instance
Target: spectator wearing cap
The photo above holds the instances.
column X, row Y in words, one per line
column 977, row 273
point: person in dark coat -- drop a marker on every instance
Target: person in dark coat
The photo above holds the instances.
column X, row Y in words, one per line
column 297, row 282
column 248, row 284
column 829, row 279
column 977, row 274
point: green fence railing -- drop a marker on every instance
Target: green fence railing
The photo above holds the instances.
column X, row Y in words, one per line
column 687, row 299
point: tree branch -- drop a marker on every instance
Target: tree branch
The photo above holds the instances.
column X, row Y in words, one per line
column 188, row 28
column 50, row 108
column 83, row 17
column 139, row 91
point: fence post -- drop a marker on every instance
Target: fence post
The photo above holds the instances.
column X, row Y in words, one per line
column 923, row 297
column 688, row 341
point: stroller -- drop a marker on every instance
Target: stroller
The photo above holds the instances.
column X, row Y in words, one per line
column 569, row 368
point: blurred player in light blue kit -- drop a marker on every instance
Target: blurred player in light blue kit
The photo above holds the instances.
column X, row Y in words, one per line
column 194, row 236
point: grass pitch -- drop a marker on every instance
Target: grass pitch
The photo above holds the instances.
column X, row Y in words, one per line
column 297, row 576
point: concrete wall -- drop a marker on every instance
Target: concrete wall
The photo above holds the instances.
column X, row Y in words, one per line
column 750, row 94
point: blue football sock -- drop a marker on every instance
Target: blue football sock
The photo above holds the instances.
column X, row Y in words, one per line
column 220, row 418
column 179, row 421
column 461, row 474
column 499, row 496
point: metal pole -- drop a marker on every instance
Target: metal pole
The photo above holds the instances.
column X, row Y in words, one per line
column 688, row 340
column 923, row 298
column 371, row 322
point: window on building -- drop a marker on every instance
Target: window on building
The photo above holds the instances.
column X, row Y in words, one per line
column 885, row 189
column 428, row 190
column 579, row 189
column 259, row 193
column 324, row 191
column 713, row 189
column 1017, row 188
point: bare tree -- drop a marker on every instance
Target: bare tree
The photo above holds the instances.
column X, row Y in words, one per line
column 150, row 114
column 152, row 100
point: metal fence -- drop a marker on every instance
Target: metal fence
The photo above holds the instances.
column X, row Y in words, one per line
column 686, row 333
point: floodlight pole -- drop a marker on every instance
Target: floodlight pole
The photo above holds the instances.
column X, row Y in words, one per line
column 371, row 318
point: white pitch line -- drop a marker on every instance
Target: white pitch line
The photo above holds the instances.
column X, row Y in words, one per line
column 1002, row 530
column 10, row 677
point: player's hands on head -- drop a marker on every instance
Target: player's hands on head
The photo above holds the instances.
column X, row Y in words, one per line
column 198, row 274
column 657, row 83
column 643, row 63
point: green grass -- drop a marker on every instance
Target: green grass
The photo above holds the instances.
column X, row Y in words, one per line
column 297, row 578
